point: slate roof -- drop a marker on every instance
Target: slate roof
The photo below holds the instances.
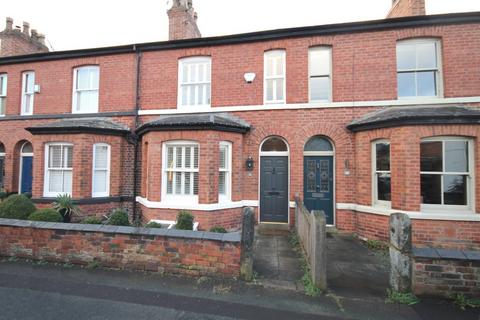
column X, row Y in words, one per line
column 84, row 125
column 200, row 121
column 416, row 115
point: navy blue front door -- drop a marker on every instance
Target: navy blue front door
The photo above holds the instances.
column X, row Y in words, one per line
column 274, row 189
column 318, row 185
column 26, row 183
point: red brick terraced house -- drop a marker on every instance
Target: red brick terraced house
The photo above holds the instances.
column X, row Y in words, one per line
column 358, row 119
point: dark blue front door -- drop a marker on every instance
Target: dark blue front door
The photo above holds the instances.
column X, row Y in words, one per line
column 318, row 185
column 274, row 189
column 26, row 183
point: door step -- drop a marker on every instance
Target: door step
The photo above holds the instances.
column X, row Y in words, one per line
column 273, row 229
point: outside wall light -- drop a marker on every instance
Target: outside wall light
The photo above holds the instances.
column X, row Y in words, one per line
column 347, row 168
column 249, row 163
column 249, row 77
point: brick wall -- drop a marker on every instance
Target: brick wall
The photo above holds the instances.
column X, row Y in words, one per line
column 445, row 277
column 406, row 8
column 154, row 250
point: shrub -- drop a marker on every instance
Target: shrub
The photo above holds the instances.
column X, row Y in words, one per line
column 184, row 220
column 17, row 207
column 119, row 217
column 153, row 224
column 218, row 229
column 48, row 215
column 65, row 206
column 92, row 220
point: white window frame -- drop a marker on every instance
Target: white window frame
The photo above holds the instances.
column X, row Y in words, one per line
column 438, row 70
column 23, row 111
column 195, row 61
column 470, row 184
column 311, row 75
column 178, row 198
column 107, row 170
column 75, row 91
column 375, row 172
column 3, row 93
column 227, row 197
column 267, row 55
column 46, row 192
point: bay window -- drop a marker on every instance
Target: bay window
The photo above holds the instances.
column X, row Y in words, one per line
column 320, row 70
column 381, row 173
column 446, row 170
column 28, row 86
column 195, row 82
column 275, row 76
column 58, row 169
column 225, row 172
column 85, row 89
column 181, row 171
column 3, row 94
column 418, row 68
column 101, row 170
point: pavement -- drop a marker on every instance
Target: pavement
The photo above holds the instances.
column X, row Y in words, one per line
column 36, row 290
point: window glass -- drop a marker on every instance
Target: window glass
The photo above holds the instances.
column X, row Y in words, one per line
column 320, row 88
column 320, row 73
column 318, row 144
column 27, row 148
column 86, row 89
column 224, row 175
column 445, row 172
column 2, row 166
column 274, row 76
column 382, row 179
column 28, row 82
column 3, row 94
column 274, row 144
column 181, row 172
column 2, row 148
column 59, row 170
column 100, row 184
column 195, row 81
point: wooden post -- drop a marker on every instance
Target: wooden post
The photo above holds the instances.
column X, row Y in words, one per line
column 319, row 250
column 248, row 235
column 400, row 252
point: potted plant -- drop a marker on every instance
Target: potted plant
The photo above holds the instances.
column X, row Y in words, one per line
column 65, row 206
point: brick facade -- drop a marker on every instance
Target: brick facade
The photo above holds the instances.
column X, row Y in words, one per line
column 364, row 80
column 406, row 8
column 19, row 42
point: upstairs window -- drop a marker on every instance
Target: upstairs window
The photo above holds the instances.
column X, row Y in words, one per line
column 101, row 170
column 275, row 82
column 195, row 82
column 381, row 173
column 85, row 89
column 418, row 68
column 59, row 168
column 320, row 73
column 225, row 172
column 181, row 170
column 28, row 87
column 3, row 94
column 446, row 173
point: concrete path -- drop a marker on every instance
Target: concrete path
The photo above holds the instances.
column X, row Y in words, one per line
column 275, row 263
column 353, row 270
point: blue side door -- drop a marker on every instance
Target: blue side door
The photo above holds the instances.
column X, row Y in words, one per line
column 26, row 183
column 318, row 185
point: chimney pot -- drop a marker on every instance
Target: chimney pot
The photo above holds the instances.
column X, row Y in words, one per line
column 9, row 25
column 26, row 28
column 41, row 38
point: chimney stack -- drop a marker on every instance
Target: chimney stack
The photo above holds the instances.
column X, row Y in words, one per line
column 26, row 28
column 9, row 25
column 182, row 21
column 407, row 8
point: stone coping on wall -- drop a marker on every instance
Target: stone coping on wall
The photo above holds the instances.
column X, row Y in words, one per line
column 447, row 254
column 135, row 231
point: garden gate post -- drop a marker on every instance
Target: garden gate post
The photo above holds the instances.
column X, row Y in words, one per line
column 248, row 234
column 400, row 252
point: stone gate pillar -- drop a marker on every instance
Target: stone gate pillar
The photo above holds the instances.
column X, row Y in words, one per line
column 400, row 252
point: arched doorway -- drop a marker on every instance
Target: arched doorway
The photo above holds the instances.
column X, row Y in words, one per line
column 319, row 173
column 274, row 181
column 26, row 166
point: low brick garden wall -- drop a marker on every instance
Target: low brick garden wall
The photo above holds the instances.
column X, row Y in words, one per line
column 444, row 272
column 157, row 250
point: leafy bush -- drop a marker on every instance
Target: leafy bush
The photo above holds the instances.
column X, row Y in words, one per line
column 218, row 229
column 17, row 206
column 184, row 220
column 153, row 224
column 119, row 217
column 48, row 215
column 463, row 302
column 92, row 220
column 407, row 298
column 65, row 206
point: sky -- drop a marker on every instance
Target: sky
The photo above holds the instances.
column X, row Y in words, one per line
column 96, row 23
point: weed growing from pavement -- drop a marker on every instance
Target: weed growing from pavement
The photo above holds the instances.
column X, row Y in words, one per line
column 463, row 302
column 310, row 288
column 377, row 245
column 407, row 298
column 93, row 265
